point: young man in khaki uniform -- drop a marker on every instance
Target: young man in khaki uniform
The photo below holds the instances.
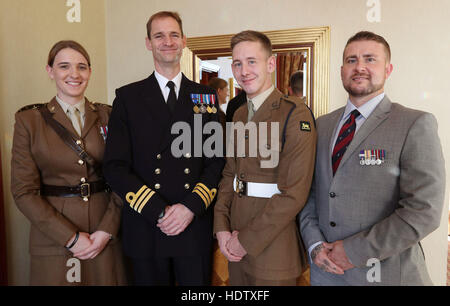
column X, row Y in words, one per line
column 260, row 196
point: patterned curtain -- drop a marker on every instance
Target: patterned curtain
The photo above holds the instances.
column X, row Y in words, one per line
column 287, row 64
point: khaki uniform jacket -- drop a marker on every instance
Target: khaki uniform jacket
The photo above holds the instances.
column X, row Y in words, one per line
column 267, row 227
column 39, row 156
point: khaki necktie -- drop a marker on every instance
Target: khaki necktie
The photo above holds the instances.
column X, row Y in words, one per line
column 251, row 110
column 75, row 116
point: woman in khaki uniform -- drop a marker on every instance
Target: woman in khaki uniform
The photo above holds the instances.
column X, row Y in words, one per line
column 74, row 218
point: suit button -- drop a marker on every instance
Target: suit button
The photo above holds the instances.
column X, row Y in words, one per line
column 332, row 195
column 186, row 186
column 157, row 171
column 187, row 171
column 157, row 186
column 187, row 155
column 81, row 162
column 158, row 156
column 332, row 224
column 83, row 180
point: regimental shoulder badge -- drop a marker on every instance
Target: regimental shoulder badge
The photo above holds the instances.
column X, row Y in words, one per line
column 305, row 126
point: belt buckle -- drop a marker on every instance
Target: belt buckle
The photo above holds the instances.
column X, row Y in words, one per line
column 241, row 187
column 85, row 191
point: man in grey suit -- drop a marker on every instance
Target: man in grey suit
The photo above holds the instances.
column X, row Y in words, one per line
column 379, row 180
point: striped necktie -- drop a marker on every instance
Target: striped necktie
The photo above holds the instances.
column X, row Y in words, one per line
column 344, row 139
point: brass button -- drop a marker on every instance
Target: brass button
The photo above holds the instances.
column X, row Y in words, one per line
column 83, row 180
column 157, row 171
column 187, row 171
column 158, row 156
column 79, row 142
column 85, row 199
column 187, row 186
column 187, row 155
column 242, row 175
column 81, row 162
column 157, row 186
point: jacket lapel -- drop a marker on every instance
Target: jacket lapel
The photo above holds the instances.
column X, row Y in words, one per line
column 60, row 116
column 380, row 113
column 90, row 117
column 273, row 101
column 331, row 131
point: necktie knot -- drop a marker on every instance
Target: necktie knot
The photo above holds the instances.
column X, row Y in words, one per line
column 171, row 85
column 355, row 113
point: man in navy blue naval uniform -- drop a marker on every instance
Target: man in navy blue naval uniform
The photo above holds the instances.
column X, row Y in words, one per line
column 167, row 215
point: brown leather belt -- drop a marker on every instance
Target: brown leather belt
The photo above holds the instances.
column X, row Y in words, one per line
column 83, row 190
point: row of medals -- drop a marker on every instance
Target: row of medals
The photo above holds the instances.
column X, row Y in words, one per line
column 202, row 103
column 371, row 157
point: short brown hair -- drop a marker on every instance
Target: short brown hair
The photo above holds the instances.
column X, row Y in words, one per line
column 296, row 82
column 217, row 83
column 366, row 35
column 252, row 36
column 63, row 44
column 164, row 14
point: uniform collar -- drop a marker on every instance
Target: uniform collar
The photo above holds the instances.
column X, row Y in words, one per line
column 162, row 81
column 366, row 109
column 259, row 99
column 80, row 105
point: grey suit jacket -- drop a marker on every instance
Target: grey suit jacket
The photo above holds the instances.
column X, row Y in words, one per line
column 380, row 211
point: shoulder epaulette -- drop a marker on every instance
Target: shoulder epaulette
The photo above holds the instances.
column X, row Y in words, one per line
column 31, row 106
column 102, row 104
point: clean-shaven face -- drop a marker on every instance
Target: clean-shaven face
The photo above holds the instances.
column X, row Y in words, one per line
column 71, row 73
column 252, row 67
column 166, row 41
column 365, row 69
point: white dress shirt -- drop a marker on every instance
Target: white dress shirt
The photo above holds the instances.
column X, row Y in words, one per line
column 162, row 81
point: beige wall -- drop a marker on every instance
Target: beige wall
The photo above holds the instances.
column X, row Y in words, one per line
column 28, row 29
column 414, row 30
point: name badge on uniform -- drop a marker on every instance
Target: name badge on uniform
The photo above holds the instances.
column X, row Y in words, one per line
column 372, row 157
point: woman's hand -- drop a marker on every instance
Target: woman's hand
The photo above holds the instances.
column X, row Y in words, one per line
column 99, row 240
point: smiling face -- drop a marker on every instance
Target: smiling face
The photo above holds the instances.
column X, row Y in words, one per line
column 166, row 42
column 71, row 73
column 252, row 67
column 365, row 70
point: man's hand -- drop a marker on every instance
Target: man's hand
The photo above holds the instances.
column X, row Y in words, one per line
column 222, row 239
column 99, row 241
column 339, row 256
column 176, row 218
column 320, row 256
column 234, row 246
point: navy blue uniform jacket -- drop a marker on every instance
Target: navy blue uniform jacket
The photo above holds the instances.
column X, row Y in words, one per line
column 139, row 166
